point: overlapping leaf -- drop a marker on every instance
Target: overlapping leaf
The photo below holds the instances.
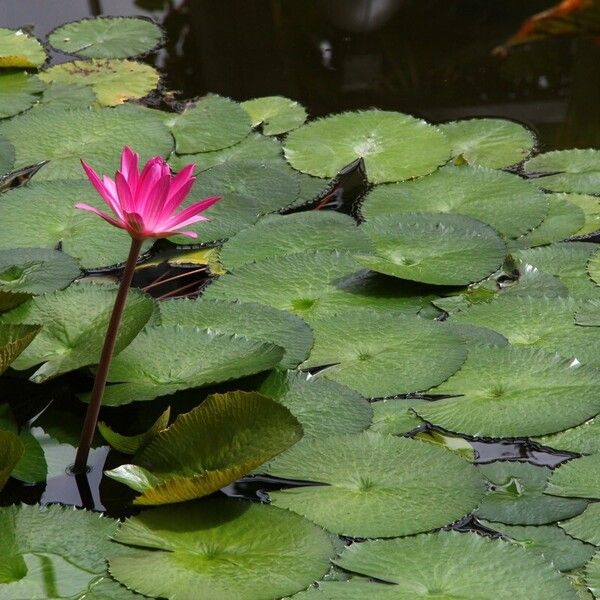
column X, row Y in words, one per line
column 19, row 49
column 275, row 114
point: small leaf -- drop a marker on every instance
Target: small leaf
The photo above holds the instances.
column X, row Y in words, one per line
column 18, row 91
column 21, row 50
column 13, row 340
column 276, row 114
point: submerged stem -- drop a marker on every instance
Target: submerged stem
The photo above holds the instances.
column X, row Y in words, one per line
column 91, row 417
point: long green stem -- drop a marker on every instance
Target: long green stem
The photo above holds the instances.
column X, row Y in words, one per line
column 91, row 417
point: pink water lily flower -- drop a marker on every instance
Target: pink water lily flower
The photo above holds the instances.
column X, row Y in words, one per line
column 145, row 204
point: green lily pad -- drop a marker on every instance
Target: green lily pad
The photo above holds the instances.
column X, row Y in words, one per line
column 53, row 552
column 196, row 357
column 254, row 321
column 567, row 170
column 276, row 235
column 498, row 394
column 475, row 335
column 449, row 564
column 434, row 248
column 593, row 267
column 583, row 439
column 516, row 495
column 130, row 444
column 585, row 526
column 222, row 550
column 314, row 283
column 43, row 215
column 221, row 440
column 276, row 114
column 113, row 81
column 212, row 123
column 65, row 136
column 253, row 147
column 548, row 541
column 18, row 91
column 592, row 575
column 393, row 145
column 502, row 200
column 495, row 143
column 107, row 37
column 13, row 340
column 578, row 478
column 74, row 323
column 11, row 451
column 591, row 209
column 67, row 95
column 21, row 50
column 7, row 157
column 373, row 489
column 362, row 350
column 395, row 416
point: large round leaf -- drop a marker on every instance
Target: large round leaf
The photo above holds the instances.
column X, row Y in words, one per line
column 113, row 81
column 393, row 145
column 585, row 526
column 567, row 170
column 277, row 235
column 381, row 354
column 18, row 91
column 65, row 136
column 591, row 209
column 435, row 248
column 516, row 495
column 592, row 575
column 208, row 448
column 494, row 143
column 395, row 416
column 499, row 394
column 502, row 200
column 43, row 215
column 106, row 37
column 275, row 114
column 578, row 478
column 195, row 357
column 21, row 50
column 222, row 550
column 74, row 323
column 373, row 488
column 255, row 321
column 583, row 439
column 211, row 124
column 449, row 564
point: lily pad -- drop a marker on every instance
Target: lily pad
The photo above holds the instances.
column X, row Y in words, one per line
column 395, row 416
column 585, row 526
column 567, row 170
column 212, row 123
column 220, row 549
column 495, row 143
column 578, row 478
column 67, row 95
column 13, row 340
column 74, row 323
column 592, row 575
column 593, row 267
column 498, row 394
column 18, row 91
column 373, row 488
column 221, row 440
column 196, row 357
column 107, row 37
column 7, row 156
column 502, row 200
column 113, row 81
column 11, row 451
column 254, row 321
column 393, row 145
column 276, row 235
column 449, row 564
column 591, row 209
column 434, row 248
column 275, row 114
column 583, row 439
column 364, row 349
column 21, row 50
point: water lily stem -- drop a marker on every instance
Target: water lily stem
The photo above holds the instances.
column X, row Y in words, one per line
column 91, row 417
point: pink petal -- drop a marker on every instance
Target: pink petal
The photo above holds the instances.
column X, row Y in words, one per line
column 148, row 180
column 183, row 179
column 106, row 217
column 129, row 167
column 126, row 198
column 154, row 210
column 190, row 234
column 174, row 199
column 192, row 210
column 102, row 189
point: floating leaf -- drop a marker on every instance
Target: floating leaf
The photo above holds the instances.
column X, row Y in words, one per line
column 275, row 114
column 393, row 145
column 130, row 444
column 7, row 156
column 13, row 340
column 475, row 335
column 21, row 50
column 220, row 549
column 395, row 416
column 373, row 477
column 502, row 200
column 449, row 564
column 578, row 478
column 583, row 439
column 211, row 124
column 585, row 526
column 276, row 235
column 221, row 440
column 253, row 321
column 74, row 323
column 107, row 37
column 67, row 95
column 592, row 575
column 499, row 394
column 113, row 81
column 591, row 209
column 18, row 91
column 593, row 267
column 567, row 170
column 196, row 358
column 65, row 136
column 495, row 143
column 11, row 451
column 435, row 248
